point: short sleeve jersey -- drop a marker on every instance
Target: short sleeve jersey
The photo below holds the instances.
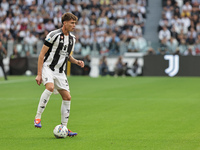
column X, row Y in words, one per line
column 60, row 47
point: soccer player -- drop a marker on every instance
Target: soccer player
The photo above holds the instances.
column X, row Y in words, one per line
column 51, row 64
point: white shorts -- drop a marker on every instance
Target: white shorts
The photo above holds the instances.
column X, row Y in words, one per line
column 58, row 79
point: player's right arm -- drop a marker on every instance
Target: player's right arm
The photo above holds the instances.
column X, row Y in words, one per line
column 40, row 64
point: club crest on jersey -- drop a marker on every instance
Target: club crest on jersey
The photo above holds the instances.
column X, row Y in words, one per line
column 62, row 38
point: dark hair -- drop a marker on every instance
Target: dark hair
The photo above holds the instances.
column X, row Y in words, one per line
column 69, row 16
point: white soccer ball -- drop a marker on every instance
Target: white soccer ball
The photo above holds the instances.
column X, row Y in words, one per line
column 60, row 131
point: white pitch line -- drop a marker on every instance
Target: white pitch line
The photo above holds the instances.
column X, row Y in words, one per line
column 15, row 81
column 14, row 98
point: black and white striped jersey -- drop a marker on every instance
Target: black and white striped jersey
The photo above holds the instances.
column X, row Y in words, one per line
column 60, row 47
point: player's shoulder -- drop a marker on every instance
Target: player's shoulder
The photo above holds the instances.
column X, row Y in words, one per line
column 55, row 32
column 52, row 35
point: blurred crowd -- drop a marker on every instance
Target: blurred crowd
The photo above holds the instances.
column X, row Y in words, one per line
column 179, row 27
column 105, row 27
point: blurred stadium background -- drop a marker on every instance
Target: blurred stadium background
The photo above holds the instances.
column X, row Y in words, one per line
column 142, row 30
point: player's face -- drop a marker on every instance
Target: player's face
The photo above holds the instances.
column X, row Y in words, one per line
column 70, row 25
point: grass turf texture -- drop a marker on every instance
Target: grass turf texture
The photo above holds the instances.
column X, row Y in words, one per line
column 142, row 113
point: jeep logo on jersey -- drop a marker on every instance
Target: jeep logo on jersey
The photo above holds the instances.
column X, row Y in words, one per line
column 64, row 53
column 173, row 68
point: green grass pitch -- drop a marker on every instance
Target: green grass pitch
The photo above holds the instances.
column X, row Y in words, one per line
column 124, row 113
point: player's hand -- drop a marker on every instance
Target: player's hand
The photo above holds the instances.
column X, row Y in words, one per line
column 80, row 63
column 38, row 79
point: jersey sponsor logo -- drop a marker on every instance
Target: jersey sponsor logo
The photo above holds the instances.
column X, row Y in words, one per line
column 173, row 68
column 64, row 51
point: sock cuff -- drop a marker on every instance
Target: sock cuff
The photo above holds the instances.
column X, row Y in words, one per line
column 48, row 92
column 65, row 102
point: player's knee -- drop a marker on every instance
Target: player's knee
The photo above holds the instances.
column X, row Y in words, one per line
column 50, row 88
column 67, row 97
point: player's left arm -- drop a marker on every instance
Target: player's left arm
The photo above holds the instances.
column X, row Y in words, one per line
column 75, row 61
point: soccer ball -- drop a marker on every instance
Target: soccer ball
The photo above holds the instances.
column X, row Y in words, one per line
column 60, row 131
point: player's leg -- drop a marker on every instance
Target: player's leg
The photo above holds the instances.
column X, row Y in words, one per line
column 65, row 106
column 65, row 109
column 43, row 102
column 61, row 84
column 47, row 78
column 44, row 99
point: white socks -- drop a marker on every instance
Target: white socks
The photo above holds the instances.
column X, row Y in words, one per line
column 65, row 107
column 43, row 102
column 65, row 110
